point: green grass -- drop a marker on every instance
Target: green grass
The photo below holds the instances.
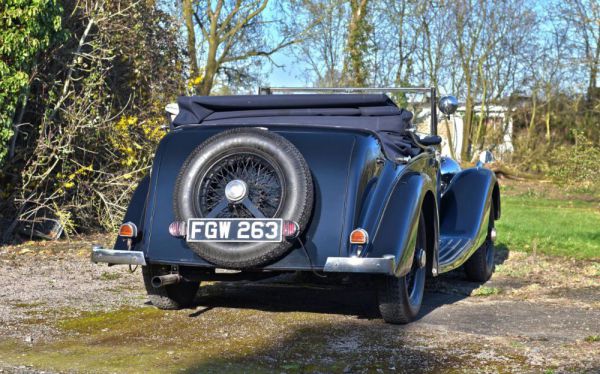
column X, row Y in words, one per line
column 554, row 227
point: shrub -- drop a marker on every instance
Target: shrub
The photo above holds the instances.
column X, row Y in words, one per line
column 96, row 113
column 576, row 165
column 26, row 28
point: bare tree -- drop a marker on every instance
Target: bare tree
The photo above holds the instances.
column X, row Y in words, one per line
column 486, row 33
column 395, row 39
column 338, row 48
column 322, row 49
column 583, row 20
column 233, row 37
column 580, row 22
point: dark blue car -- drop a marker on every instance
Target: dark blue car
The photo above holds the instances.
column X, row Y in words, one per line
column 337, row 184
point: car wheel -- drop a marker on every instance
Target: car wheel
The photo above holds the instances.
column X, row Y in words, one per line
column 171, row 297
column 480, row 266
column 277, row 184
column 400, row 298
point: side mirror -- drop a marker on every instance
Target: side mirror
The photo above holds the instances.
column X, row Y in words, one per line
column 448, row 105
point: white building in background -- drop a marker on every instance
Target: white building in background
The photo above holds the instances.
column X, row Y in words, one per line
column 451, row 130
column 497, row 120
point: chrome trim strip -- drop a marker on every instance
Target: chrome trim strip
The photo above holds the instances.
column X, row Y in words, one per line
column 271, row 90
column 377, row 265
column 117, row 257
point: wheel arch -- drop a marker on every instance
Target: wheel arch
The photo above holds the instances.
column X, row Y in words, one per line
column 411, row 196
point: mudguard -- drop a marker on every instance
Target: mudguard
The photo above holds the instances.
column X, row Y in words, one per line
column 395, row 232
column 464, row 214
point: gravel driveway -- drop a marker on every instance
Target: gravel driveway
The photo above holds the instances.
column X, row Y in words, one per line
column 61, row 313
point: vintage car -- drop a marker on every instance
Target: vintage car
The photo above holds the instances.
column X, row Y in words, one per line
column 336, row 184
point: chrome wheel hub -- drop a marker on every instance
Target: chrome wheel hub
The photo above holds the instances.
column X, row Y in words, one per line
column 236, row 190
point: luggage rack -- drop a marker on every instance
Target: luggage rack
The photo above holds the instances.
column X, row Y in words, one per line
column 350, row 90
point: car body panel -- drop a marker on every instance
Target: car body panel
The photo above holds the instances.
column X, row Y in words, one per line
column 392, row 211
column 330, row 156
column 355, row 186
column 135, row 210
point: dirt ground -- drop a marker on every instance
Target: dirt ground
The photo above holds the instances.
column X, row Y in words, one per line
column 60, row 313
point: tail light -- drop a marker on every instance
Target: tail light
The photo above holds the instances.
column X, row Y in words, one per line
column 359, row 236
column 290, row 229
column 128, row 230
column 178, row 229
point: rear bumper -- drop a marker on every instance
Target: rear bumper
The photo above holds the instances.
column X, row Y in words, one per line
column 117, row 257
column 378, row 265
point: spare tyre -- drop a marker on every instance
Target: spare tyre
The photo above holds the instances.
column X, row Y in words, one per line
column 277, row 184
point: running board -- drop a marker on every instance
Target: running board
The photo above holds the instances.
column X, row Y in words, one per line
column 454, row 251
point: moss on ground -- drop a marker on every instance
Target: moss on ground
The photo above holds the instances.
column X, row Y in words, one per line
column 141, row 339
column 109, row 276
column 486, row 291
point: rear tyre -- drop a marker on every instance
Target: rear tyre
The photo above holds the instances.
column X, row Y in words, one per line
column 400, row 298
column 480, row 266
column 171, row 297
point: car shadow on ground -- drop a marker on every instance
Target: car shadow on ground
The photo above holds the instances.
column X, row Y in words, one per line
column 299, row 293
column 330, row 348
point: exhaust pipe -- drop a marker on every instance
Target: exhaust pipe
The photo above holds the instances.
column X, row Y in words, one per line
column 165, row 280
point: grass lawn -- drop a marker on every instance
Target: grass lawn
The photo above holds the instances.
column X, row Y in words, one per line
column 553, row 227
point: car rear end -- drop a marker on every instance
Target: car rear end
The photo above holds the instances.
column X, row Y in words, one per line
column 336, row 160
column 262, row 191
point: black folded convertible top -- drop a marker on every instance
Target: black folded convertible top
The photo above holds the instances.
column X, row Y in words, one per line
column 374, row 113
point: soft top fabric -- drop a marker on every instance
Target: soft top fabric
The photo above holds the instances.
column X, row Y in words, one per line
column 374, row 113
column 194, row 109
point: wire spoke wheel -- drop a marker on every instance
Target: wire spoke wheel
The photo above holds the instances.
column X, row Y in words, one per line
column 263, row 180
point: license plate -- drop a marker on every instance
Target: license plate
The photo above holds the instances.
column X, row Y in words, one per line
column 234, row 230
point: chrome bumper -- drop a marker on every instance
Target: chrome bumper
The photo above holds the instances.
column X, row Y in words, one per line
column 379, row 265
column 117, row 257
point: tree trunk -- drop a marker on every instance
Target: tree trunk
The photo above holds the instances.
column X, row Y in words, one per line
column 211, row 68
column 477, row 141
column 188, row 12
column 532, row 121
column 464, row 150
column 354, row 71
column 212, row 63
column 548, row 121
